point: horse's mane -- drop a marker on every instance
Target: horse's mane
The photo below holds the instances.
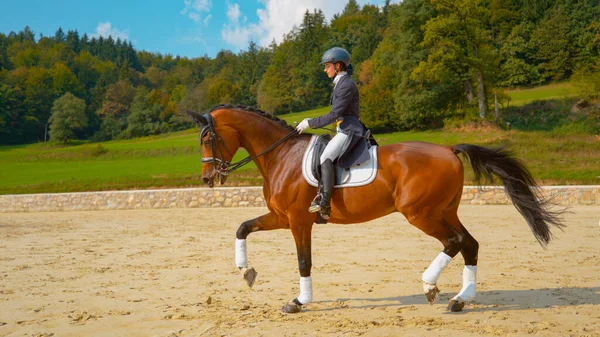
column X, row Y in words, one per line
column 254, row 111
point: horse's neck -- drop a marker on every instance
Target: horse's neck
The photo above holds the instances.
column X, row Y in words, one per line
column 256, row 139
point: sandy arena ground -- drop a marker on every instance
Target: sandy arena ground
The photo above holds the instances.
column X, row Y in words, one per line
column 171, row 273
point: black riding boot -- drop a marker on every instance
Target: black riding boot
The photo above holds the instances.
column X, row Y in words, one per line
column 321, row 202
column 327, row 176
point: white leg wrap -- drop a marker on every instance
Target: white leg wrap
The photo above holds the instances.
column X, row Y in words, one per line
column 438, row 264
column 467, row 293
column 306, row 294
column 240, row 254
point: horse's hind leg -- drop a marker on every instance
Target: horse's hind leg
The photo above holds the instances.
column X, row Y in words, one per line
column 470, row 253
column 265, row 222
column 453, row 240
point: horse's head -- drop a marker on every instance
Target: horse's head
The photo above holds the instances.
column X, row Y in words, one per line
column 219, row 144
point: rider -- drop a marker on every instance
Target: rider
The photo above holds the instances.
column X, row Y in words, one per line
column 350, row 131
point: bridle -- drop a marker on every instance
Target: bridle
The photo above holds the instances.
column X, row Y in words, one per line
column 221, row 166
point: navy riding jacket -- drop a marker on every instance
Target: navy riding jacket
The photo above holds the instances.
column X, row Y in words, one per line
column 345, row 107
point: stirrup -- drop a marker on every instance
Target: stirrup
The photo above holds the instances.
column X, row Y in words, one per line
column 315, row 205
column 314, row 208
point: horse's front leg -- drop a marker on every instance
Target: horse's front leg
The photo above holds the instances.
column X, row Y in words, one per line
column 301, row 230
column 265, row 222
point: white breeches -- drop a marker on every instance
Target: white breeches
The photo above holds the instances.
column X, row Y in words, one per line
column 335, row 147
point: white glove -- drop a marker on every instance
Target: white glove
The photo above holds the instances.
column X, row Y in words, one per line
column 303, row 125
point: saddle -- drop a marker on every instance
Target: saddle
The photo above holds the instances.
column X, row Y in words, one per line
column 357, row 175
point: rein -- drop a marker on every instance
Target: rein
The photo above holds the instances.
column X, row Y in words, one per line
column 224, row 167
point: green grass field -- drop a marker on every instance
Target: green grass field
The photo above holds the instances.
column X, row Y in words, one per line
column 521, row 97
column 173, row 160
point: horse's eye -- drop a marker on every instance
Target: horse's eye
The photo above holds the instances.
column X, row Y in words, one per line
column 204, row 136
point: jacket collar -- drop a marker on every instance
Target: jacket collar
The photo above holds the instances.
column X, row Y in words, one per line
column 338, row 77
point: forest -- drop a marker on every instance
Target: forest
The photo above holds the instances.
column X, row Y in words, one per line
column 419, row 64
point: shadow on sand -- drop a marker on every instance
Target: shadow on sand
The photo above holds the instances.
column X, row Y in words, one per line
column 495, row 300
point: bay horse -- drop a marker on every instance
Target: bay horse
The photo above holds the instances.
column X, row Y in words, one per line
column 422, row 181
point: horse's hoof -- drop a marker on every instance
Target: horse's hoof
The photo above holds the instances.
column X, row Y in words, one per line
column 249, row 274
column 456, row 305
column 291, row 308
column 432, row 294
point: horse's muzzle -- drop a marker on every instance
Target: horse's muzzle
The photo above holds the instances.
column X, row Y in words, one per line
column 210, row 179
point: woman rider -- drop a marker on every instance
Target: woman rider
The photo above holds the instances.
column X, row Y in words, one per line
column 348, row 145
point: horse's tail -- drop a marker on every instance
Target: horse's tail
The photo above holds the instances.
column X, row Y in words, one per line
column 518, row 184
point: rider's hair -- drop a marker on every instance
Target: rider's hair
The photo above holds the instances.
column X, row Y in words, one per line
column 344, row 68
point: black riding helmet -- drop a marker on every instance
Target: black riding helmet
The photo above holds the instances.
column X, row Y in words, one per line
column 336, row 54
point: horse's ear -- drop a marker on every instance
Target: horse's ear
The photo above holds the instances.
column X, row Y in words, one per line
column 199, row 119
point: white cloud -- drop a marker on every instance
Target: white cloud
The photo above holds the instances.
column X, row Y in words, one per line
column 200, row 5
column 235, row 34
column 206, row 19
column 106, row 29
column 240, row 36
column 194, row 16
column 277, row 18
column 194, row 9
column 233, row 12
column 191, row 39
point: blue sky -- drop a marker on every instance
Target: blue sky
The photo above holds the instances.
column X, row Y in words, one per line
column 189, row 28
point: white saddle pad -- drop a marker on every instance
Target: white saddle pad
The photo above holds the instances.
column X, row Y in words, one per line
column 357, row 175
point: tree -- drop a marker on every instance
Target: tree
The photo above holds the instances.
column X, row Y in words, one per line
column 85, row 68
column 38, row 101
column 276, row 87
column 27, row 34
column 311, row 88
column 369, row 33
column 553, row 40
column 72, row 41
column 535, row 9
column 117, row 99
column 68, row 115
column 504, row 15
column 518, row 66
column 155, row 76
column 24, row 56
column 59, row 36
column 388, row 94
column 352, row 7
column 64, row 80
column 145, row 114
column 459, row 43
column 4, row 62
column 10, row 116
column 251, row 66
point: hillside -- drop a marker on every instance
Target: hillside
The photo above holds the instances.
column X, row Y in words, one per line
column 173, row 160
